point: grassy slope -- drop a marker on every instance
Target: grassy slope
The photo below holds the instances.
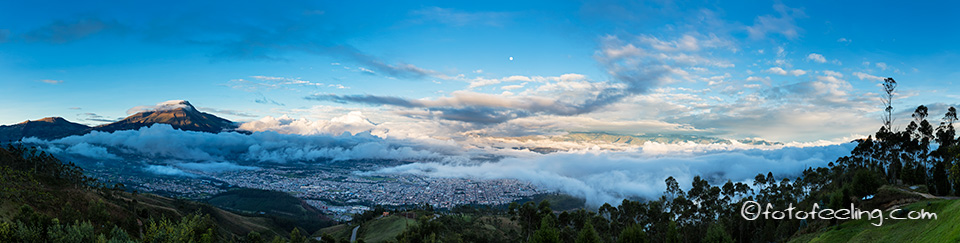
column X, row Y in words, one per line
column 288, row 210
column 387, row 228
column 154, row 206
column 236, row 224
column 253, row 200
column 946, row 228
column 384, row 229
column 340, row 231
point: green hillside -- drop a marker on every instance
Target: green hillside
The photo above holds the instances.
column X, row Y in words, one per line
column 476, row 226
column 946, row 228
column 45, row 200
column 288, row 211
column 384, row 229
column 559, row 202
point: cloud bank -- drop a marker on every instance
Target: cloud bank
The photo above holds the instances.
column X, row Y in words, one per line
column 608, row 177
column 205, row 152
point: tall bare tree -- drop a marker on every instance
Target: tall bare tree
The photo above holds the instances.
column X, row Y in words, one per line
column 889, row 85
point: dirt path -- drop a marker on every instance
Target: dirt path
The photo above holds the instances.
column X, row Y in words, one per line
column 924, row 195
column 353, row 237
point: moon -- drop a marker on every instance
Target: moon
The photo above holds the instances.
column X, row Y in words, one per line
column 511, row 58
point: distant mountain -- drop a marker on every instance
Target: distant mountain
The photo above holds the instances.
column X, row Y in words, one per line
column 638, row 139
column 666, row 138
column 178, row 113
column 659, row 138
column 46, row 128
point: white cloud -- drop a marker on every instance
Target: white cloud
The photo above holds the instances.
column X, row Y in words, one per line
column 513, row 87
column 51, row 81
column 687, row 43
column 352, row 123
column 866, row 76
column 817, row 58
column 882, row 66
column 569, row 77
column 481, row 82
column 91, row 151
column 777, row 70
column 781, row 71
column 164, row 142
column 832, row 73
column 214, row 166
column 517, row 78
column 162, row 106
column 841, row 40
column 365, row 70
column 784, row 24
column 166, row 170
column 260, row 82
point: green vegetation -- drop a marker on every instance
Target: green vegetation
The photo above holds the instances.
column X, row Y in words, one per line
column 384, row 229
column 286, row 210
column 559, row 202
column 45, row 200
column 340, row 231
column 946, row 228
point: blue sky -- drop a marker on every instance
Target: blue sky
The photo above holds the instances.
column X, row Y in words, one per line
column 785, row 71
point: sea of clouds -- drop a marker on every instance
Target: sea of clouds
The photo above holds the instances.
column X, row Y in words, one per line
column 611, row 176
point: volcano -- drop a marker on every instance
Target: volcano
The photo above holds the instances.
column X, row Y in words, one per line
column 178, row 113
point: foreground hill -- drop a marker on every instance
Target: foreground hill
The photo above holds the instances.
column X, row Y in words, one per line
column 425, row 225
column 946, row 228
column 285, row 209
column 45, row 200
column 46, row 128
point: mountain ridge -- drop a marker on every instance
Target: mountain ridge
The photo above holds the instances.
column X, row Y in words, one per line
column 44, row 128
column 180, row 114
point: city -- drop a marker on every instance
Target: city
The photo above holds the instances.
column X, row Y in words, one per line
column 337, row 192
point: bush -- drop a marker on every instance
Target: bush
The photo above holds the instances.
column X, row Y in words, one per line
column 866, row 182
